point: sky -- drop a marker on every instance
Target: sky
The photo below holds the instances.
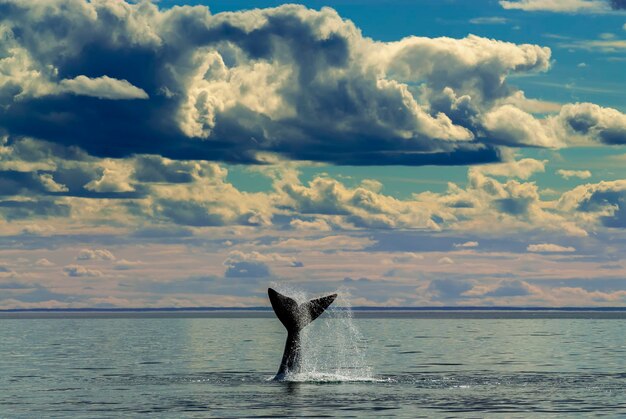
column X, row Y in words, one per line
column 405, row 153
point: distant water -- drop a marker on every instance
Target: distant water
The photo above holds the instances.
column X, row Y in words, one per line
column 385, row 365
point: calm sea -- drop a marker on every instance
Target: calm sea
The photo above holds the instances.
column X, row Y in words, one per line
column 380, row 365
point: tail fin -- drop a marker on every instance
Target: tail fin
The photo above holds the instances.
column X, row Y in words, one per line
column 296, row 316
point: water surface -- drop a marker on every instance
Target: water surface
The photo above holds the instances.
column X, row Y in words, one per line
column 220, row 366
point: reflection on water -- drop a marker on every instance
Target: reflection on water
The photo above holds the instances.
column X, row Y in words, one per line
column 220, row 367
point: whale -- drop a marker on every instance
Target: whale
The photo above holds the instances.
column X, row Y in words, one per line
column 295, row 317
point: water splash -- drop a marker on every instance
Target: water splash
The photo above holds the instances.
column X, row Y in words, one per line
column 332, row 347
column 289, row 290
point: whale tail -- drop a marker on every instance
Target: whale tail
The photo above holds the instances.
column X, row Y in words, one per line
column 295, row 317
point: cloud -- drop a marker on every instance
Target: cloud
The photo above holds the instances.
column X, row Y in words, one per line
column 618, row 4
column 150, row 168
column 407, row 257
column 511, row 288
column 95, row 254
column 522, row 169
column 575, row 124
column 197, row 194
column 606, row 45
column 509, row 125
column 445, row 261
column 35, row 296
column 247, row 270
column 37, row 229
column 162, row 232
column 603, row 202
column 449, row 289
column 115, row 178
column 19, row 209
column 205, row 203
column 288, row 81
column 271, row 86
column 549, row 248
column 300, row 83
column 489, row 20
column 466, row 244
column 513, row 205
column 125, row 265
column 591, row 122
column 334, row 243
column 566, row 6
column 29, row 78
column 533, row 106
column 102, row 87
column 485, row 201
column 80, row 271
column 313, row 225
column 43, row 262
column 581, row 174
column 361, row 207
column 576, row 296
column 50, row 185
column 239, row 256
column 12, row 285
column 6, row 272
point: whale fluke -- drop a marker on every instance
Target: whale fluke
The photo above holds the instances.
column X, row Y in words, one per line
column 295, row 317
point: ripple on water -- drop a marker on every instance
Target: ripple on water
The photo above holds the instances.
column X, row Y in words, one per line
column 203, row 368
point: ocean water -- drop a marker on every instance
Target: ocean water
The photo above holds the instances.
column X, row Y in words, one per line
column 383, row 365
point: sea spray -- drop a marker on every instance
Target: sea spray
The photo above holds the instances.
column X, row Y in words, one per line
column 332, row 347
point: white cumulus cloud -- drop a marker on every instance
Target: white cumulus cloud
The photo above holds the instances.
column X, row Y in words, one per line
column 549, row 248
column 581, row 174
column 568, row 6
column 95, row 254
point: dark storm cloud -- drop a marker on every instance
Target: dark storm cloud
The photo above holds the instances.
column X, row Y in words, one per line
column 618, row 4
column 116, row 80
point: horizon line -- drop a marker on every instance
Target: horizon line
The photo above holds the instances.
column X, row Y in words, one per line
column 356, row 308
